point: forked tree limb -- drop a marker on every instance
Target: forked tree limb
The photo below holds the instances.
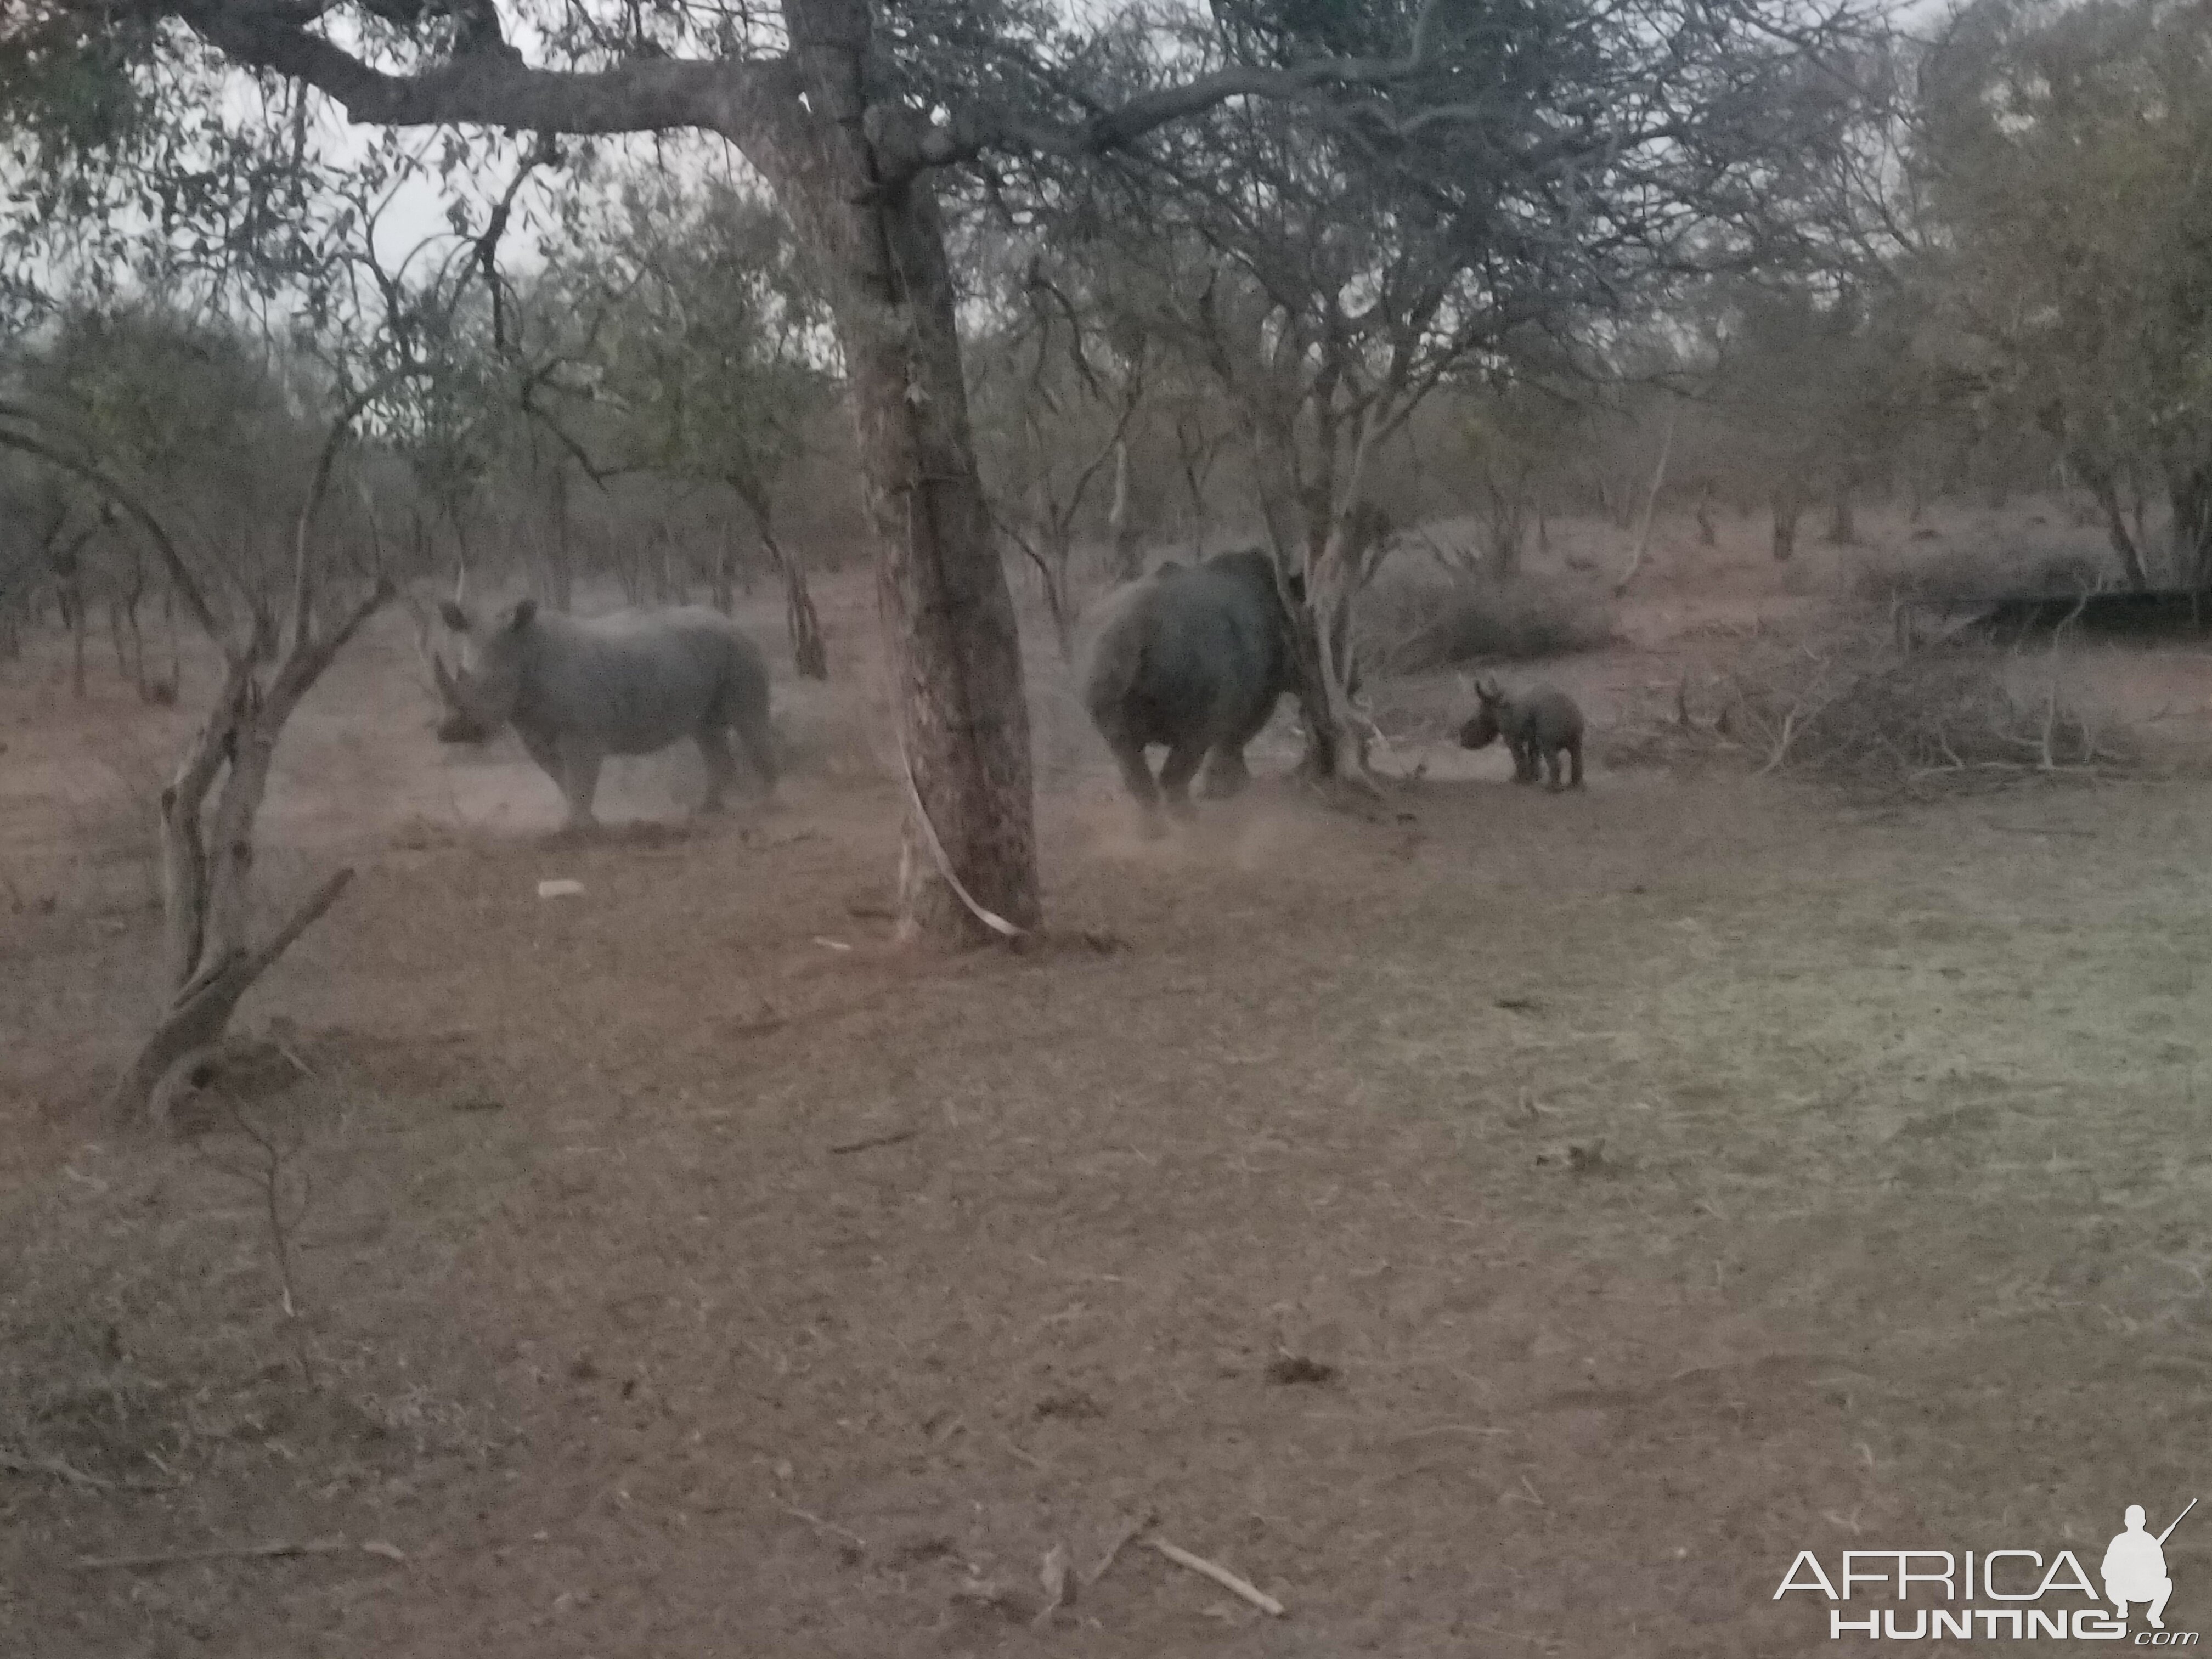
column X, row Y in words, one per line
column 203, row 1009
column 184, row 853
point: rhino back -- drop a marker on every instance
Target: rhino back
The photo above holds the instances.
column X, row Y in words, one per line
column 1111, row 652
column 1546, row 715
column 1192, row 653
column 636, row 681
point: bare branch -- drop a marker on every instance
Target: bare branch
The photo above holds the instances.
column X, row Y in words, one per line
column 179, row 573
column 496, row 88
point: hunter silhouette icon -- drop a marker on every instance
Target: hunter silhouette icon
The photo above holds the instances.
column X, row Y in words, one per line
column 2135, row 1566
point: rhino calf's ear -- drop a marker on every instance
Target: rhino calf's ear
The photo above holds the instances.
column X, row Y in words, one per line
column 524, row 611
column 455, row 618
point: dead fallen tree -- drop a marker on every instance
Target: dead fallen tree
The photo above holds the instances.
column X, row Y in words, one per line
column 1865, row 711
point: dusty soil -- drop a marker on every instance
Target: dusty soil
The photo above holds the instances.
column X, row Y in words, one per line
column 1498, row 1223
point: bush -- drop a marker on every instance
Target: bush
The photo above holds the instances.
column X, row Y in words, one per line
column 1413, row 626
column 1965, row 575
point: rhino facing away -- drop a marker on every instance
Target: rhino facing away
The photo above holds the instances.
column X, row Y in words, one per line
column 1539, row 725
column 578, row 689
column 1193, row 658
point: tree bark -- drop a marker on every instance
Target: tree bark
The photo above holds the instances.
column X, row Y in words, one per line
column 201, row 1011
column 2101, row 484
column 2190, row 489
column 946, row 606
column 1842, row 525
column 1129, row 561
column 1789, row 507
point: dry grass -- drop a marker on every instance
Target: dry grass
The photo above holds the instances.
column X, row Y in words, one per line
column 1413, row 624
column 1415, row 1216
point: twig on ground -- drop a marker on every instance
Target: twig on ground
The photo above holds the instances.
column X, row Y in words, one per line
column 1059, row 1585
column 222, row 1553
column 830, row 1527
column 1220, row 1575
column 298, row 1064
column 1114, row 1550
column 872, row 1141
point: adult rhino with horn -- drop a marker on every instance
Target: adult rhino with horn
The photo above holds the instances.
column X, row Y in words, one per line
column 578, row 689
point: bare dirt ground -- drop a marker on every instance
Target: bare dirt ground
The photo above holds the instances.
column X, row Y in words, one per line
column 1505, row 1224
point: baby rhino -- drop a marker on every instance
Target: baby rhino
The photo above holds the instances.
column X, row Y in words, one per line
column 1540, row 723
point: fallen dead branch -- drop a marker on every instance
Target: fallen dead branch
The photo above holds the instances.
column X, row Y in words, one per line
column 1220, row 1575
column 1863, row 710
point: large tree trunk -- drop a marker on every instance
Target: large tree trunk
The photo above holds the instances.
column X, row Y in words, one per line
column 1789, row 502
column 947, row 610
column 2190, row 491
column 2102, row 485
column 1843, row 524
column 1128, row 553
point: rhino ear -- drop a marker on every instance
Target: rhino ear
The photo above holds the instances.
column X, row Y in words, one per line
column 1485, row 687
column 524, row 611
column 455, row 618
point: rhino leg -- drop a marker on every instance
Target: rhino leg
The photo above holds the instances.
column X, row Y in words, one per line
column 1225, row 774
column 579, row 781
column 1552, row 769
column 760, row 750
column 1575, row 755
column 1137, row 778
column 1524, row 762
column 1175, row 774
column 546, row 753
column 722, row 767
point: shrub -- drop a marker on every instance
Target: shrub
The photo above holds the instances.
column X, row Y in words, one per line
column 1963, row 576
column 1414, row 626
